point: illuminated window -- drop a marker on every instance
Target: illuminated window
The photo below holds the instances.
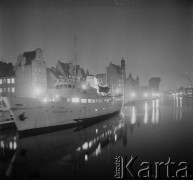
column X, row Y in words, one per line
column 0, row 90
column 89, row 100
column 13, row 89
column 75, row 100
column 83, row 100
column 8, row 81
column 0, row 81
column 12, row 80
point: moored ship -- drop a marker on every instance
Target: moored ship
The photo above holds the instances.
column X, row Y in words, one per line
column 70, row 102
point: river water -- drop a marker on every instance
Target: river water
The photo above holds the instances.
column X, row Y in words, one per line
column 154, row 132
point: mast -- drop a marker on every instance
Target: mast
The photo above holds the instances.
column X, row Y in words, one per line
column 75, row 58
column 106, row 70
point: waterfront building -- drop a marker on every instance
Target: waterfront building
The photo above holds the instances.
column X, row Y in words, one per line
column 101, row 78
column 154, row 84
column 116, row 77
column 132, row 87
column 31, row 74
column 92, row 81
column 68, row 70
column 52, row 77
column 7, row 79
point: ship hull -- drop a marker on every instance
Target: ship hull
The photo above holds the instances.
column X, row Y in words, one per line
column 33, row 116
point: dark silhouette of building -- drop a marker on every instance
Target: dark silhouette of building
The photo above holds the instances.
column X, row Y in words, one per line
column 154, row 83
column 116, row 77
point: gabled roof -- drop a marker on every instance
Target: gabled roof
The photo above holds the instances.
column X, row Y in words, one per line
column 30, row 55
column 118, row 68
column 65, row 67
column 52, row 70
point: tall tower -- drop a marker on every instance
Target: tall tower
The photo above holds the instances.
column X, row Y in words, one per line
column 123, row 68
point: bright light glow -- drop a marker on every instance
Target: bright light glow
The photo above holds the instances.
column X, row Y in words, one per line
column 133, row 94
column 98, row 150
column 56, row 96
column 85, row 145
column 45, row 100
column 90, row 144
column 117, row 91
column 146, row 113
column 133, row 117
column 180, row 101
column 115, row 137
column 145, row 95
column 84, row 86
column 75, row 100
column 86, row 157
column 78, row 149
column 2, row 144
column 37, row 91
column 83, row 100
column 10, row 145
column 14, row 145
column 153, row 112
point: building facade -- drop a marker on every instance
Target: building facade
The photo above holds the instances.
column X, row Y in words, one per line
column 154, row 83
column 101, row 78
column 7, row 79
column 31, row 74
column 116, row 77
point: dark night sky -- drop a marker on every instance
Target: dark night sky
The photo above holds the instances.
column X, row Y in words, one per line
column 154, row 36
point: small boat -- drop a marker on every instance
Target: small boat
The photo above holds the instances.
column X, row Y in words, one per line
column 69, row 103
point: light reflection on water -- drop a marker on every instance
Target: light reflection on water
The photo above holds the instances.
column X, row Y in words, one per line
column 178, row 105
column 147, row 110
column 146, row 113
column 75, row 153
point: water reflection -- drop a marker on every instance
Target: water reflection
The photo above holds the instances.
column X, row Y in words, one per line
column 8, row 145
column 178, row 105
column 133, row 117
column 72, row 152
column 71, row 148
column 146, row 110
column 155, row 111
column 146, row 113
